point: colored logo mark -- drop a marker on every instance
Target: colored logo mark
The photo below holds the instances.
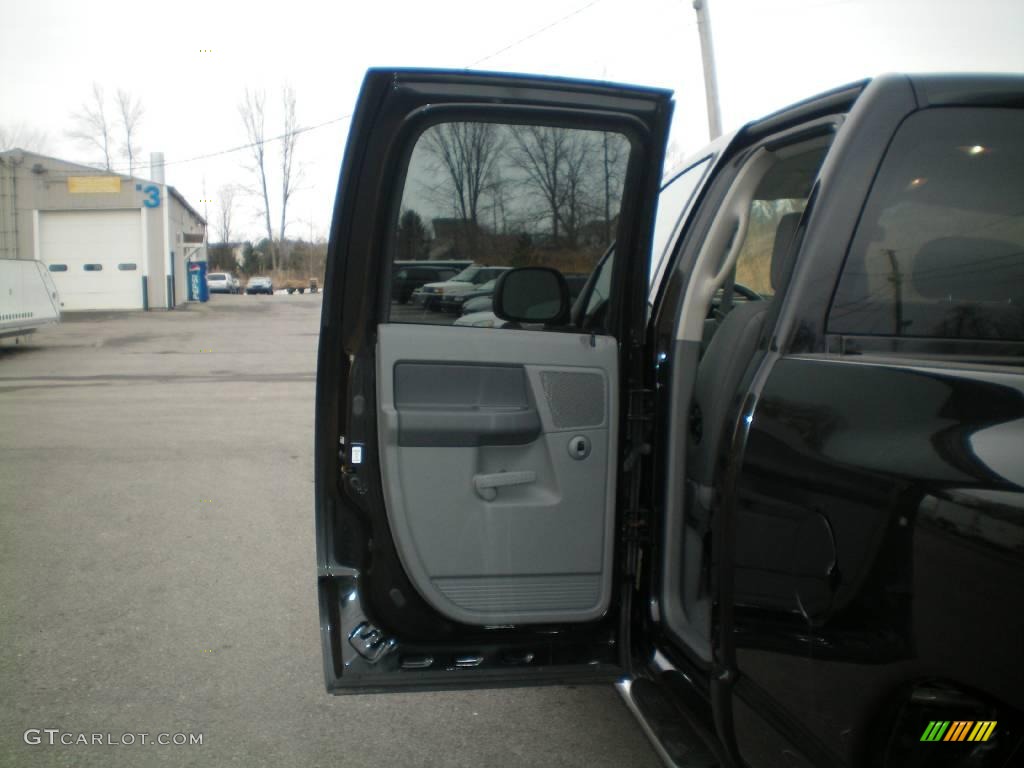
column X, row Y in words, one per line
column 959, row 730
column 152, row 196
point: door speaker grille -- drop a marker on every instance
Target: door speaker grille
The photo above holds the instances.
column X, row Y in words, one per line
column 576, row 399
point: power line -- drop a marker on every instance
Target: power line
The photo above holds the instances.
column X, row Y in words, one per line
column 209, row 155
column 535, row 33
column 250, row 145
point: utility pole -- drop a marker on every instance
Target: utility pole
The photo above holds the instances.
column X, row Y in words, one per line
column 707, row 54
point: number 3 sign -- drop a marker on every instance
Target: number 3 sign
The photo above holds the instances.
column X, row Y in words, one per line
column 152, row 195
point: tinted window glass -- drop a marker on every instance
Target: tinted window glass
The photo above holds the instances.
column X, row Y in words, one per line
column 58, row 267
column 754, row 263
column 939, row 251
column 504, row 196
column 92, row 267
column 775, row 210
column 602, row 287
column 129, row 267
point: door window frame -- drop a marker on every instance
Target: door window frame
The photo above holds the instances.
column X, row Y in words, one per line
column 417, row 122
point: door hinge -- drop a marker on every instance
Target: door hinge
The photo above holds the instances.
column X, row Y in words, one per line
column 370, row 643
column 639, row 416
column 635, row 529
column 635, row 536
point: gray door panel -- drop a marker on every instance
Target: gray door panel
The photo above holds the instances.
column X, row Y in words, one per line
column 451, row 405
column 499, row 473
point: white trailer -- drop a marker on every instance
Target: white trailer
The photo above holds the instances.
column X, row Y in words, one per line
column 28, row 297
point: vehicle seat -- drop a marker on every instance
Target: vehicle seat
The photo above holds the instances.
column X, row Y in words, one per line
column 728, row 354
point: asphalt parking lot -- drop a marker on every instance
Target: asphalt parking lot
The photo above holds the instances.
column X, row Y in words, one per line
column 157, row 568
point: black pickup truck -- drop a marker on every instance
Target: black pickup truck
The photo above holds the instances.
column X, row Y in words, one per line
column 765, row 473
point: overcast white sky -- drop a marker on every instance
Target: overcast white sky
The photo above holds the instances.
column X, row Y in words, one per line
column 769, row 54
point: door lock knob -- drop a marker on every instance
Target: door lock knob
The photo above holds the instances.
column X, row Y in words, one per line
column 579, row 447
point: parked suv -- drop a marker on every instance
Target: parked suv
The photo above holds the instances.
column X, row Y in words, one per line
column 222, row 282
column 411, row 275
column 471, row 278
column 765, row 474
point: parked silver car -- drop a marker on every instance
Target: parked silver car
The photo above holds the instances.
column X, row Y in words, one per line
column 222, row 282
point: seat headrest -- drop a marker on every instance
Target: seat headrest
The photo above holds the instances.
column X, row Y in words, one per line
column 782, row 253
column 969, row 269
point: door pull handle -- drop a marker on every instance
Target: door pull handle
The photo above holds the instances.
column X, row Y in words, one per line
column 487, row 485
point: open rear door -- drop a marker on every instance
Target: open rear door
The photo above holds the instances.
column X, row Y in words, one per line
column 467, row 472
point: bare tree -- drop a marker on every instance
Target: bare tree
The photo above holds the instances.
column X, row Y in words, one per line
column 540, row 152
column 92, row 126
column 130, row 112
column 562, row 167
column 290, row 173
column 22, row 136
column 468, row 153
column 499, row 201
column 225, row 208
column 577, row 175
column 614, row 151
column 253, row 117
column 412, row 241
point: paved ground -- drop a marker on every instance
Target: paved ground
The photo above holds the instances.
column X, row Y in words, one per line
column 157, row 563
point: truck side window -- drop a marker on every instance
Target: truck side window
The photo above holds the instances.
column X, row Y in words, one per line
column 939, row 250
column 495, row 197
column 754, row 263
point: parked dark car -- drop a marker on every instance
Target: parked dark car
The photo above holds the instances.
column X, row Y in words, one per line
column 766, row 476
column 410, row 276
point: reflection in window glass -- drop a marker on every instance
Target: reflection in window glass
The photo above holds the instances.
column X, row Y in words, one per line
column 58, row 267
column 754, row 263
column 502, row 196
column 601, row 291
column 939, row 251
column 92, row 267
column 128, row 267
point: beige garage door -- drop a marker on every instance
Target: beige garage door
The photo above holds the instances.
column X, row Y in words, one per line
column 94, row 257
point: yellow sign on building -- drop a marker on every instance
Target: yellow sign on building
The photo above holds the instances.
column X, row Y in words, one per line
column 94, row 185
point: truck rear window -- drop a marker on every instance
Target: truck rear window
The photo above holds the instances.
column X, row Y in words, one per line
column 939, row 250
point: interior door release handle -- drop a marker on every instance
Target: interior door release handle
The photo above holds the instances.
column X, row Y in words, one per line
column 487, row 485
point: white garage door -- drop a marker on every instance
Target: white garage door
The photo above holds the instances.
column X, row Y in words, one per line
column 95, row 257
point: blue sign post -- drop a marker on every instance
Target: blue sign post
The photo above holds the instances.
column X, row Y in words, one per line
column 197, row 288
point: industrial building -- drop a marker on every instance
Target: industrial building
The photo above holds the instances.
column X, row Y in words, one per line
column 109, row 241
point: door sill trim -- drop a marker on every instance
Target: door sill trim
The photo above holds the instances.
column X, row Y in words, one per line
column 625, row 689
